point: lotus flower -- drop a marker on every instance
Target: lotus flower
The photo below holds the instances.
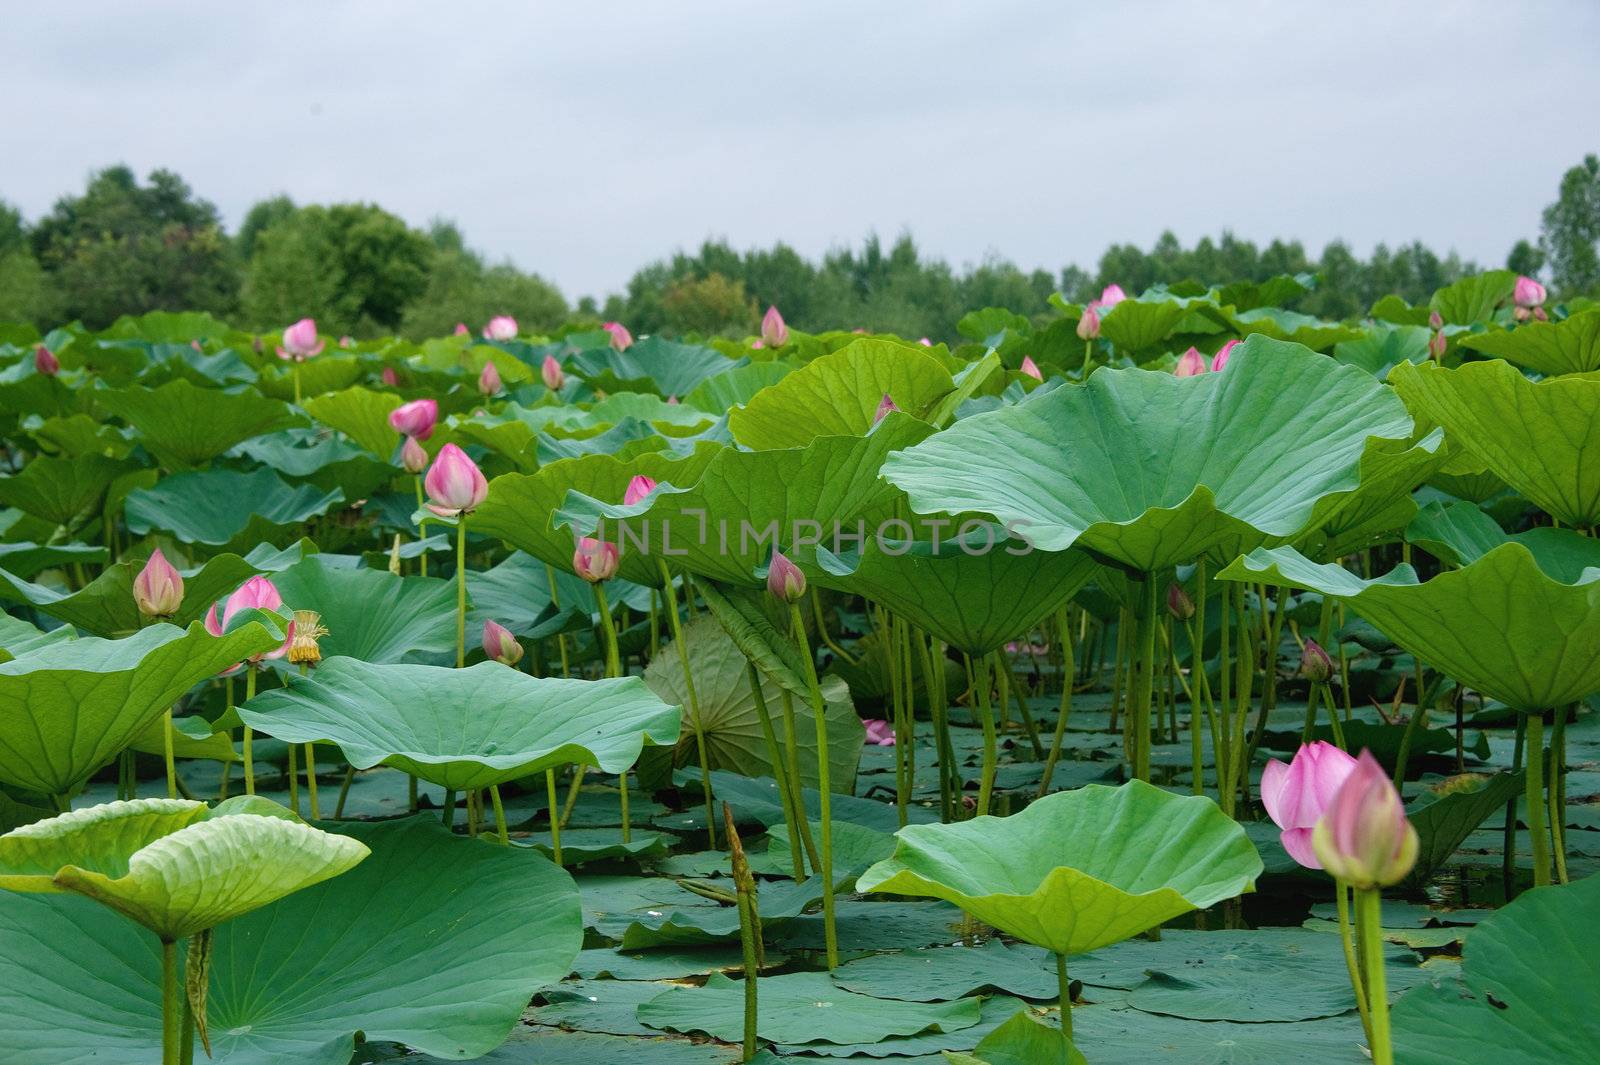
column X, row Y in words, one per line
column 413, row 456
column 1435, row 320
column 638, row 488
column 1437, row 345
column 1190, row 364
column 501, row 327
column 621, row 339
column 672, row 401
column 158, row 589
column 45, row 361
column 1528, row 293
column 595, row 560
column 550, row 372
column 1179, row 605
column 925, row 342
column 415, row 419
column 879, row 732
column 784, row 579
column 773, row 332
column 1089, row 323
column 1315, row 665
column 257, row 593
column 1031, row 368
column 499, row 644
column 462, row 330
column 389, row 377
column 1112, row 295
column 300, row 341
column 1363, row 837
column 885, row 406
column 1224, row 353
column 489, row 380
column 1297, row 794
column 345, row 342
column 454, row 483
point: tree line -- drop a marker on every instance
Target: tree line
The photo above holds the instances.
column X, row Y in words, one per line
column 126, row 247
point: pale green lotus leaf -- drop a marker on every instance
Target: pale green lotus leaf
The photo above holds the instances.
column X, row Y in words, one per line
column 1550, row 348
column 184, row 426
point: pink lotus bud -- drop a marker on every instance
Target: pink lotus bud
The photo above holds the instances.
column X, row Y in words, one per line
column 1112, row 295
column 1541, row 314
column 1179, row 605
column 413, row 456
column 389, row 377
column 885, row 406
column 489, row 380
column 550, row 371
column 1521, row 314
column 345, row 342
column 195, row 344
column 257, row 593
column 1437, row 344
column 1031, row 368
column 213, row 623
column 1528, row 293
column 45, row 362
column 672, row 401
column 462, row 330
column 859, row 330
column 454, row 483
column 595, row 560
column 784, row 579
column 773, row 332
column 1435, row 320
column 415, row 419
column 1315, row 665
column 1363, row 837
column 756, row 345
column 158, row 589
column 1190, row 364
column 638, row 488
column 879, row 732
column 500, row 645
column 1089, row 323
column 1224, row 353
column 255, row 344
column 300, row 341
column 501, row 327
column 621, row 339
column 1296, row 795
column 925, row 342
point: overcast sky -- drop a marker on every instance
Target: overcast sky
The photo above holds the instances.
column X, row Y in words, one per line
column 581, row 140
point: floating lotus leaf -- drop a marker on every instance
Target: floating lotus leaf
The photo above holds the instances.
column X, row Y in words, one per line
column 651, row 364
column 974, row 592
column 1474, row 299
column 434, row 941
column 67, row 708
column 1501, row 625
column 839, row 394
column 1550, row 348
column 221, row 507
column 360, row 414
column 62, row 491
column 372, row 614
column 1021, row 1041
column 1446, row 816
column 185, row 426
column 1077, row 869
column 1154, row 470
column 1541, row 438
column 464, row 728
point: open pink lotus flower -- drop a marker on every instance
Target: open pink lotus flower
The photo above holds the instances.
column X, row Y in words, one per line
column 501, row 327
column 415, row 419
column 300, row 341
column 621, row 339
column 879, row 732
column 1298, row 793
column 257, row 593
column 454, row 483
column 1363, row 837
column 1111, row 295
column 595, row 560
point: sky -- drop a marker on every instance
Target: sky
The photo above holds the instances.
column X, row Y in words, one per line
column 583, row 140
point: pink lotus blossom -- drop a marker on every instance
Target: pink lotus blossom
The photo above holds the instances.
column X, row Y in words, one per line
column 550, row 373
column 1363, row 837
column 413, row 456
column 638, row 488
column 462, row 330
column 1528, row 293
column 499, row 644
column 389, row 377
column 300, row 341
column 885, row 408
column 784, row 579
column 621, row 339
column 1438, row 344
column 489, row 380
column 925, row 342
column 45, row 361
column 1031, row 368
column 415, row 419
column 1190, row 364
column 257, row 593
column 345, row 342
column 158, row 589
column 1112, row 295
column 454, row 483
column 595, row 560
column 773, row 332
column 1089, row 323
column 879, row 732
column 501, row 327
column 1297, row 794
column 1224, row 353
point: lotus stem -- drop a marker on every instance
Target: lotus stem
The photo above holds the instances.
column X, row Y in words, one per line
column 227, row 768
column 1556, row 788
column 574, row 789
column 500, row 815
column 1064, row 635
column 897, row 696
column 311, row 780
column 1088, row 359
column 1010, row 683
column 749, row 930
column 1369, row 924
column 294, row 779
column 1143, row 679
column 448, row 815
column 1341, row 894
column 671, row 603
column 613, row 669
column 344, row 791
column 791, row 750
column 949, row 774
column 461, row 591
column 822, row 630
column 830, row 933
column 249, row 733
column 795, row 820
column 1508, row 847
column 422, row 529
column 297, row 383
column 555, row 601
column 1534, row 800
column 980, row 684
column 555, row 814
column 166, row 751
column 171, row 1006
column 1065, row 986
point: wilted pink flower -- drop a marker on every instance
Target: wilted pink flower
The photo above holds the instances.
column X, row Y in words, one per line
column 489, row 380
column 621, row 339
column 550, row 372
column 784, row 578
column 1224, row 353
column 257, row 593
column 501, row 327
column 1437, row 345
column 300, row 341
column 773, row 332
column 595, row 560
column 638, row 488
column 1528, row 293
column 45, row 361
column 879, row 732
column 885, row 406
column 1190, row 364
column 499, row 644
column 1363, row 837
column 1089, row 323
column 158, row 589
column 415, row 419
column 1297, row 794
column 389, row 377
column 462, row 330
column 454, row 483
column 1112, row 295
column 413, row 456
column 1031, row 368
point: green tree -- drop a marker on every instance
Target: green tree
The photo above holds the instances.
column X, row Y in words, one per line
column 1570, row 236
column 461, row 289
column 24, row 292
column 709, row 305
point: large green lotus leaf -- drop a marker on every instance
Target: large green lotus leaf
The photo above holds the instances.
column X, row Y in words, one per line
column 185, row 426
column 326, row 373
column 505, row 435
column 434, row 941
column 360, row 414
column 736, row 387
column 1381, row 504
column 464, row 728
column 758, row 624
column 839, row 394
column 65, row 492
column 1526, row 991
column 1154, row 470
column 1021, row 1041
column 167, row 868
column 646, row 407
column 800, row 1008
column 1455, row 533
column 67, row 708
column 940, row 974
column 1136, row 325
column 520, row 505
column 1500, row 625
column 226, row 507
column 516, row 593
column 1446, row 816
column 731, row 722
column 725, row 525
column 974, row 592
column 1549, row 348
column 1379, row 349
column 1077, row 869
column 651, row 364
column 17, row 637
column 1474, row 299
column 26, row 559
column 78, row 434
column 1279, row 324
column 322, row 458
column 1541, row 438
column 372, row 614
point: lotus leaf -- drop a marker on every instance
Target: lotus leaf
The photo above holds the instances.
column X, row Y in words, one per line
column 185, row 426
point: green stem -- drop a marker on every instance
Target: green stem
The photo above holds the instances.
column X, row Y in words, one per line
column 779, row 772
column 422, row 529
column 555, row 601
column 1556, row 789
column 830, row 934
column 752, row 971
column 461, row 590
column 791, row 752
column 1065, row 987
column 1144, row 679
column 1508, row 847
column 980, row 683
column 311, row 780
column 166, row 751
column 1088, row 359
column 694, row 700
column 171, row 1006
column 1347, row 940
column 1064, row 634
column 1369, row 923
column 344, row 792
column 499, row 815
column 555, row 814
column 1534, row 800
column 249, row 733
column 294, row 779
column 297, row 383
